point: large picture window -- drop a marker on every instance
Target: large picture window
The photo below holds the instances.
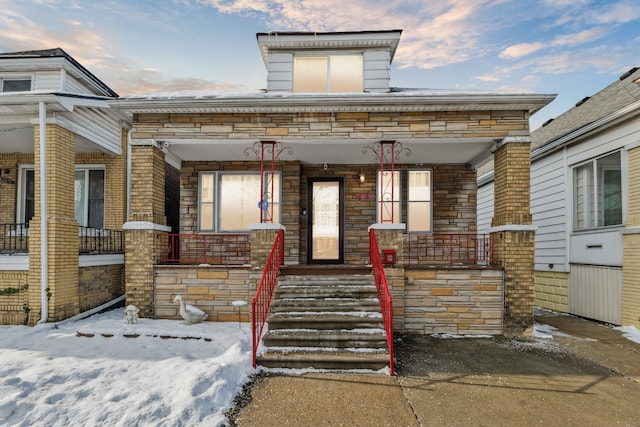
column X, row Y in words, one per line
column 230, row 201
column 597, row 193
column 332, row 73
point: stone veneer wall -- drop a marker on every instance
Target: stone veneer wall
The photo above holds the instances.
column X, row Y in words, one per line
column 211, row 289
column 551, row 290
column 14, row 306
column 450, row 301
column 100, row 284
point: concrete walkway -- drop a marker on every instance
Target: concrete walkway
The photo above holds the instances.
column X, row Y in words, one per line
column 587, row 375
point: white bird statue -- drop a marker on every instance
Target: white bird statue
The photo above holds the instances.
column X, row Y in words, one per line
column 190, row 313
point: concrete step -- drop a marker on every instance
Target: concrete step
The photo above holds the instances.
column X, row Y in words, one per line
column 291, row 304
column 325, row 320
column 337, row 359
column 334, row 338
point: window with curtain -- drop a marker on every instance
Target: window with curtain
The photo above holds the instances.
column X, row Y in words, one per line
column 229, row 201
column 331, row 73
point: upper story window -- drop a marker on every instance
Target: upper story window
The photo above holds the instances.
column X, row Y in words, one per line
column 597, row 193
column 229, row 201
column 21, row 84
column 329, row 73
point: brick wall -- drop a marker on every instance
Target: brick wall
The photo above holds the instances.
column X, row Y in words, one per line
column 551, row 290
column 14, row 306
column 211, row 289
column 9, row 192
column 465, row 302
column 631, row 246
column 100, row 284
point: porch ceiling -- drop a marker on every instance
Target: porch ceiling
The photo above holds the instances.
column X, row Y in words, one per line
column 337, row 151
column 19, row 138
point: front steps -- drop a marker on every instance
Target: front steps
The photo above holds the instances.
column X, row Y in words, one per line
column 325, row 321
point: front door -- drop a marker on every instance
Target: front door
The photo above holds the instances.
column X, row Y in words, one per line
column 325, row 221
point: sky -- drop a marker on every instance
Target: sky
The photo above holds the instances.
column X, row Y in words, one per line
column 572, row 48
column 50, row 376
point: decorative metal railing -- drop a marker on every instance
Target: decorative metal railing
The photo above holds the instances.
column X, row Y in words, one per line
column 98, row 241
column 386, row 306
column 14, row 238
column 262, row 299
column 207, row 249
column 450, row 249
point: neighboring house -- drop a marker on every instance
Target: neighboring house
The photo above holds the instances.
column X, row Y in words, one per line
column 70, row 218
column 327, row 151
column 585, row 201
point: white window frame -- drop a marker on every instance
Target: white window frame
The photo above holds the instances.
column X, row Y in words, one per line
column 328, row 56
column 429, row 201
column 593, row 197
column 22, row 190
column 217, row 204
column 8, row 77
column 86, row 169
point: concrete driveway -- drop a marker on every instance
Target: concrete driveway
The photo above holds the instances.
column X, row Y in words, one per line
column 586, row 375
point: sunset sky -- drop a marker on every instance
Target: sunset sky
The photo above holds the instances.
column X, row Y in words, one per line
column 570, row 47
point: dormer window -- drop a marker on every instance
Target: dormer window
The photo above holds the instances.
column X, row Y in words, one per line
column 16, row 84
column 328, row 73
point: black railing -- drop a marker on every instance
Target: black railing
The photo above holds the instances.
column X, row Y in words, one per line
column 14, row 238
column 97, row 241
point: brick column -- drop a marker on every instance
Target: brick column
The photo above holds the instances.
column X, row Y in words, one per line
column 146, row 226
column 62, row 242
column 512, row 233
column 390, row 236
column 631, row 244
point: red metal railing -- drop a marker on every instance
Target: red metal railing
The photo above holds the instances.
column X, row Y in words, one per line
column 207, row 249
column 439, row 248
column 262, row 299
column 384, row 297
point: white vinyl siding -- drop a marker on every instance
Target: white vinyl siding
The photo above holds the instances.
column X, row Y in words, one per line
column 47, row 81
column 549, row 211
column 280, row 77
column 595, row 292
column 377, row 65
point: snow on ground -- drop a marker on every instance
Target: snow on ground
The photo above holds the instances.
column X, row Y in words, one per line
column 50, row 376
column 630, row 332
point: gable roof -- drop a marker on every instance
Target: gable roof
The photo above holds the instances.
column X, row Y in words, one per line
column 60, row 53
column 618, row 95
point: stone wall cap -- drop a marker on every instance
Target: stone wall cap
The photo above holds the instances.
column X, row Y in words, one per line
column 145, row 225
column 267, row 226
column 387, row 227
column 513, row 227
column 630, row 230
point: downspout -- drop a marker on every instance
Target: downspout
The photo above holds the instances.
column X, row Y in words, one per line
column 44, row 231
column 128, row 173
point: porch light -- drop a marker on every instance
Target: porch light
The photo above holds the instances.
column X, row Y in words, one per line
column 361, row 176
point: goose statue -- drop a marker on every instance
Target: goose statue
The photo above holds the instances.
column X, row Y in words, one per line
column 190, row 313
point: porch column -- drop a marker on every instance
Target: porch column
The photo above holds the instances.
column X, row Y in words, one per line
column 146, row 225
column 62, row 229
column 391, row 236
column 513, row 234
column 631, row 244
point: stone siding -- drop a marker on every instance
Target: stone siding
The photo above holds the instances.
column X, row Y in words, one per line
column 211, row 289
column 343, row 125
column 464, row 302
column 551, row 290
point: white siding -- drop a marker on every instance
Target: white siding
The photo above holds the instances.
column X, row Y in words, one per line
column 376, row 71
column 596, row 292
column 485, row 207
column 280, row 74
column 72, row 85
column 549, row 210
column 94, row 125
column 47, row 81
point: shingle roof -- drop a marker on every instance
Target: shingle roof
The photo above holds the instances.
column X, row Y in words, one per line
column 617, row 95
